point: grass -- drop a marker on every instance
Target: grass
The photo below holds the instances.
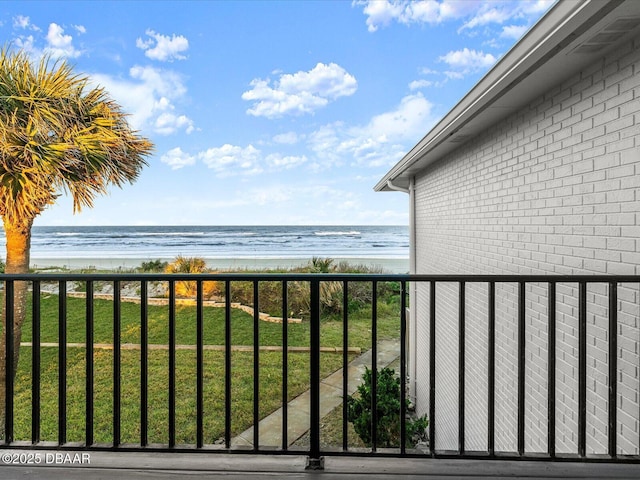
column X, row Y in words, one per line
column 270, row 369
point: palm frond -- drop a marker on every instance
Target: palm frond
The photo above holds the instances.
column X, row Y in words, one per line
column 57, row 134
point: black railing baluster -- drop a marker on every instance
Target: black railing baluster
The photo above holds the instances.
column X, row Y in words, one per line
column 199, row 366
column 144, row 363
column 256, row 365
column 227, row 364
column 62, row 362
column 117, row 364
column 9, row 379
column 403, row 367
column 432, row 367
column 35, row 363
column 461, row 365
column 613, row 368
column 551, row 382
column 285, row 365
column 491, row 371
column 345, row 364
column 89, row 318
column 617, row 451
column 521, row 365
column 314, row 462
column 582, row 368
column 172, row 364
column 374, row 366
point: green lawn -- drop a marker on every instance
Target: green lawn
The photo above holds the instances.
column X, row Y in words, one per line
column 214, row 401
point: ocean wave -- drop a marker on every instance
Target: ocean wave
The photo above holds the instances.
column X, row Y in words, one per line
column 352, row 233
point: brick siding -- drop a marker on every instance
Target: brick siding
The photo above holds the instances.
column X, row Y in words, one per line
column 554, row 188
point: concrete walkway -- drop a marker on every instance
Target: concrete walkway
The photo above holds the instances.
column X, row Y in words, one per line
column 270, row 428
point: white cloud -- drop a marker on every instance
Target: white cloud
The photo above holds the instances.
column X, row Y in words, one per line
column 59, row 44
column 381, row 142
column 467, row 61
column 177, row 159
column 418, row 84
column 301, row 92
column 486, row 16
column 277, row 161
column 513, row 31
column 381, row 13
column 162, row 47
column 233, row 160
column 21, row 21
column 167, row 123
column 80, row 28
column 230, row 160
column 26, row 43
column 149, row 95
column 288, row 138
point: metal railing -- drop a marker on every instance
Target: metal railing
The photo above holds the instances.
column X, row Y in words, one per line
column 314, row 450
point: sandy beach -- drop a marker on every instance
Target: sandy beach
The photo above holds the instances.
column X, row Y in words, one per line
column 389, row 265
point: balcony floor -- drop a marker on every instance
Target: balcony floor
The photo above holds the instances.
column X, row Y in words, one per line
column 135, row 466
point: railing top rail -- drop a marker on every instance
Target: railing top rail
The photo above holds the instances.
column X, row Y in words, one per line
column 481, row 278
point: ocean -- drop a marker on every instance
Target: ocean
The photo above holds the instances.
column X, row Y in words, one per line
column 221, row 246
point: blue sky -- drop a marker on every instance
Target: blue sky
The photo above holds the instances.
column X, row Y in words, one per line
column 269, row 113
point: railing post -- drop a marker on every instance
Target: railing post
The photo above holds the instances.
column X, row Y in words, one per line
column 35, row 364
column 432, row 367
column 62, row 363
column 199, row 366
column 403, row 367
column 374, row 367
column 491, row 371
column 461, row 366
column 285, row 365
column 345, row 364
column 172, row 364
column 117, row 364
column 144, row 364
column 613, row 368
column 582, row 369
column 551, row 382
column 8, row 409
column 227, row 364
column 89, row 318
column 256, row 366
column 315, row 462
column 521, row 366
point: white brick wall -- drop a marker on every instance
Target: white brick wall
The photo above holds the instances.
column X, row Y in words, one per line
column 554, row 188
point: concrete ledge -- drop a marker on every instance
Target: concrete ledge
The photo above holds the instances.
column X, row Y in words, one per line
column 144, row 465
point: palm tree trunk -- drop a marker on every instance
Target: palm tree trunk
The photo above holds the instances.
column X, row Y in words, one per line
column 18, row 246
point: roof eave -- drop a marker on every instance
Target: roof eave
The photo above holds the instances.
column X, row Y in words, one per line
column 555, row 31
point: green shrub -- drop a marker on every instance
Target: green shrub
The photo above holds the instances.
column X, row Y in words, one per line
column 387, row 410
column 331, row 292
column 153, row 266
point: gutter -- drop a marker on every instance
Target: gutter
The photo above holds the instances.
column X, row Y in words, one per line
column 396, row 188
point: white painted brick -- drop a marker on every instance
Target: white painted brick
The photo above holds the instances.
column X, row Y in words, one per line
column 550, row 189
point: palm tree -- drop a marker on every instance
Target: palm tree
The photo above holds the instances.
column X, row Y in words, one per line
column 57, row 135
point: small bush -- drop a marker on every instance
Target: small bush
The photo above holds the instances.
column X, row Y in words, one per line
column 387, row 410
column 153, row 266
column 331, row 292
column 188, row 289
